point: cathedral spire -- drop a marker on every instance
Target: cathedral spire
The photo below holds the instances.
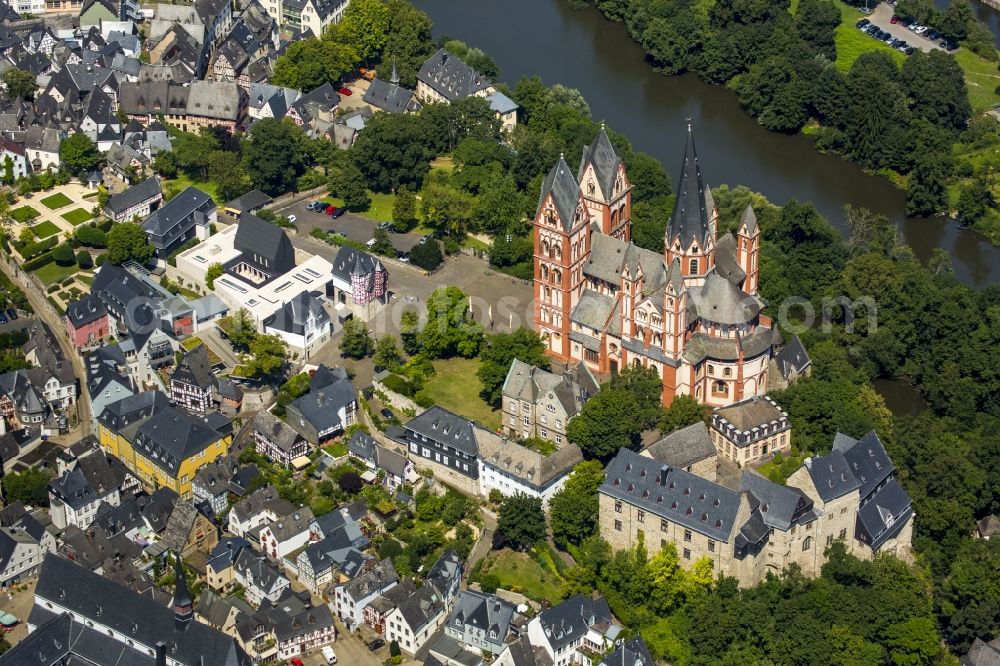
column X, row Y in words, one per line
column 183, row 606
column 690, row 218
column 394, row 79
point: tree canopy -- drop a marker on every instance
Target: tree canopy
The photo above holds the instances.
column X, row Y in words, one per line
column 127, row 241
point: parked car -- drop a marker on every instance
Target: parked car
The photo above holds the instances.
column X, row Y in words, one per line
column 330, row 210
column 425, row 239
column 12, row 313
column 345, row 91
column 386, row 227
column 386, row 413
column 909, row 50
column 295, row 661
column 292, row 218
column 337, row 212
column 376, row 644
column 933, row 35
column 3, row 318
column 886, row 37
column 329, row 654
column 863, row 23
column 872, row 30
column 894, row 20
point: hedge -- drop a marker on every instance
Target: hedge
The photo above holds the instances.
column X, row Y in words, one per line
column 399, row 385
column 32, row 250
column 38, row 262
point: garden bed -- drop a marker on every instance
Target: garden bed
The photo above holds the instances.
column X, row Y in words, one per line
column 24, row 214
column 44, row 229
column 77, row 216
column 57, row 200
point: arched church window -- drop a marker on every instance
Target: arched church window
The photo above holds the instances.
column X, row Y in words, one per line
column 545, row 272
column 556, row 276
column 719, row 386
column 590, row 188
column 693, row 267
column 727, row 372
column 545, row 247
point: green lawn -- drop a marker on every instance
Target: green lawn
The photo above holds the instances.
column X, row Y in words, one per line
column 51, row 273
column 57, row 200
column 454, row 386
column 24, row 213
column 91, row 195
column 981, row 78
column 182, row 182
column 779, row 468
column 380, row 209
column 86, row 279
column 851, row 42
column 338, row 449
column 77, row 216
column 45, row 229
column 520, row 572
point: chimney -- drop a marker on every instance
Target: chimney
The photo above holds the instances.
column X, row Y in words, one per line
column 663, row 475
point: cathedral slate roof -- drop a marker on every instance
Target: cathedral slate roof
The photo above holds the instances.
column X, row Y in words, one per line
column 725, row 259
column 605, row 158
column 720, row 301
column 690, row 217
column 593, row 310
column 565, row 193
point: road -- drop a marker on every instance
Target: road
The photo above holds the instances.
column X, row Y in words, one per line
column 44, row 312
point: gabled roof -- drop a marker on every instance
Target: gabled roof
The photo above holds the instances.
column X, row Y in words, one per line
column 255, row 236
column 831, row 475
column 573, row 618
column 86, row 310
column 138, row 193
column 451, row 77
column 440, row 425
column 294, row 314
column 179, row 525
column 390, row 97
column 605, row 160
column 632, row 652
column 485, row 613
column 194, row 369
column 793, row 358
column 565, row 191
column 179, row 210
column 275, row 431
column 252, row 200
column 528, row 466
column 683, row 447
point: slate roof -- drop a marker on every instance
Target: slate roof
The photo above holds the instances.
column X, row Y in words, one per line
column 255, row 567
column 73, row 489
column 572, row 389
column 421, row 607
column 451, row 77
column 793, row 358
column 983, row 654
column 252, row 200
column 86, row 310
column 291, row 525
column 884, row 514
column 274, row 430
column 90, row 595
column 751, row 413
column 483, row 612
column 530, row 467
column 294, row 314
column 683, row 447
column 565, row 191
column 225, row 552
column 229, row 389
column 362, row 445
column 672, row 494
column 194, row 369
column 381, row 576
column 593, row 310
column 570, row 620
column 171, row 436
column 255, row 236
column 179, row 526
column 183, row 209
column 868, row 462
column 690, row 217
column 719, row 300
column 632, row 652
column 260, row 499
column 440, row 425
column 390, row 97
column 320, row 406
column 350, row 261
column 605, row 160
column 831, row 475
column 780, row 506
column 138, row 193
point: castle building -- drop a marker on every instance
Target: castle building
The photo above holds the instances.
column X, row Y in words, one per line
column 691, row 313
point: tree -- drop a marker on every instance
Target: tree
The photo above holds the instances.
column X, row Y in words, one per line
column 393, row 151
column 350, row 483
column 409, row 330
column 309, row 63
column 214, row 271
column 927, row 193
column 383, row 244
column 30, row 487
column 404, row 209
column 84, row 260
column 165, row 164
column 608, row 422
column 446, row 209
column 876, row 134
column 573, row 509
column 499, row 205
column 357, row 341
column 127, row 241
column 350, row 186
column 273, row 157
column 498, row 353
column 225, row 170
column 521, row 521
column 364, row 27
column 682, row 412
column 20, row 83
column 647, row 387
column 449, row 330
column 63, row 254
column 816, row 21
column 974, row 202
column 387, row 354
column 427, row 255
column 913, row 642
column 91, row 236
column 954, row 23
column 268, row 356
column 79, row 154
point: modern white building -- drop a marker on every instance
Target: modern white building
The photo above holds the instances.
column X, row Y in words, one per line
column 511, row 468
column 302, row 323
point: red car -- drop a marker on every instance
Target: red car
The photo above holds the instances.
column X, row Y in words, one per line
column 345, row 91
column 295, row 661
column 894, row 19
column 330, row 210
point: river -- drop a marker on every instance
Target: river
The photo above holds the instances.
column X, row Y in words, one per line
column 581, row 49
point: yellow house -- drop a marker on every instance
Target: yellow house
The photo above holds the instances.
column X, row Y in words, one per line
column 160, row 444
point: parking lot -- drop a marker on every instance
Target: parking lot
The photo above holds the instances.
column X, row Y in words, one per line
column 355, row 227
column 882, row 17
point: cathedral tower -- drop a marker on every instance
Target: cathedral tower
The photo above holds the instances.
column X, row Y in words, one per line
column 690, row 237
column 748, row 249
column 605, row 187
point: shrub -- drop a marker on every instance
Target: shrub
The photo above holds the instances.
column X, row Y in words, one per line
column 32, row 250
column 399, row 385
column 63, row 255
column 101, row 260
column 38, row 262
column 84, row 260
column 423, row 400
column 52, row 288
column 427, row 256
column 490, row 582
column 91, row 236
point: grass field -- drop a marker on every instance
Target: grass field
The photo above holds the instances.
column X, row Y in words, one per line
column 52, row 272
column 520, row 572
column 45, row 229
column 380, row 209
column 851, row 42
column 77, row 216
column 57, row 200
column 24, row 213
column 182, row 182
column 981, row 78
column 454, row 386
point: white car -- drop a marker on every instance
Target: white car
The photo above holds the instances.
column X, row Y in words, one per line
column 329, row 655
column 291, row 218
